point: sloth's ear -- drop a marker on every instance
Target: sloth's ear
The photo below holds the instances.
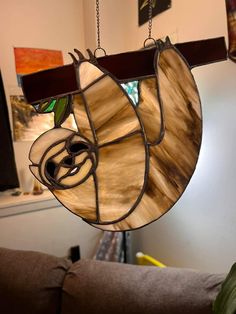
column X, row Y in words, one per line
column 110, row 112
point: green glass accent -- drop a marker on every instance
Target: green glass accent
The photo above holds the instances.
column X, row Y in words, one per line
column 46, row 106
column 60, row 110
column 51, row 106
column 132, row 90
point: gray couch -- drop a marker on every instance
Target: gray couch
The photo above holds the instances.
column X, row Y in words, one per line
column 36, row 283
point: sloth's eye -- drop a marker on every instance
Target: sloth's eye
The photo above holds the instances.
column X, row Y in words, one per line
column 51, row 167
column 77, row 147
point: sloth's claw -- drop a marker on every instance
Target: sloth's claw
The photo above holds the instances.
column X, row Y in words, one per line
column 79, row 53
column 75, row 61
column 91, row 56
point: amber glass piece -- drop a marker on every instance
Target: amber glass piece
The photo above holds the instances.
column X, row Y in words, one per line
column 112, row 113
column 121, row 176
column 149, row 109
column 81, row 200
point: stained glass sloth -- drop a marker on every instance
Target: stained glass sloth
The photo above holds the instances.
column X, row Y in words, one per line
column 128, row 163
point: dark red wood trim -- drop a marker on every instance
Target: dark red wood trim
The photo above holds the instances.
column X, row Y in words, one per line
column 124, row 66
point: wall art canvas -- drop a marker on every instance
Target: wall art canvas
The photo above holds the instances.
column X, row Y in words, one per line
column 29, row 60
column 28, row 125
column 158, row 6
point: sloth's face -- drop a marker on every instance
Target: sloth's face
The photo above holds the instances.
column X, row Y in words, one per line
column 66, row 163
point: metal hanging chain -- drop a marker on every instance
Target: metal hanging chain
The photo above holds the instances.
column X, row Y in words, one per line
column 98, row 30
column 150, row 4
column 98, row 23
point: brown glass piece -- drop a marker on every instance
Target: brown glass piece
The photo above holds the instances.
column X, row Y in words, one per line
column 121, row 177
column 149, row 109
column 81, row 199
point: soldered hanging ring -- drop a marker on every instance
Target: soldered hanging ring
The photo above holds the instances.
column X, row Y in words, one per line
column 148, row 39
column 96, row 50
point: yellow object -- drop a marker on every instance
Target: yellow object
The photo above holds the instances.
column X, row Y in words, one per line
column 144, row 259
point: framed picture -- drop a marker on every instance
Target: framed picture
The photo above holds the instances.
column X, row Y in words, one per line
column 158, row 6
column 28, row 125
column 29, row 60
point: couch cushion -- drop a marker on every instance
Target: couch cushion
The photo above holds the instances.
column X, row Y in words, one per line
column 103, row 287
column 30, row 282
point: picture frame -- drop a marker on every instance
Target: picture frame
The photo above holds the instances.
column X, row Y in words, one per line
column 158, row 6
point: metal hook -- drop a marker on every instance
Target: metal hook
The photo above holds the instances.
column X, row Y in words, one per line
column 96, row 50
column 147, row 39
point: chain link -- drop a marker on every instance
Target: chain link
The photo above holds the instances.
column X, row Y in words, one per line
column 98, row 24
column 150, row 3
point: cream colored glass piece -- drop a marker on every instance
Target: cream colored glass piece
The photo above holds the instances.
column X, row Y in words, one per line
column 52, row 152
column 35, row 172
column 88, row 73
column 81, row 117
column 83, row 171
column 45, row 140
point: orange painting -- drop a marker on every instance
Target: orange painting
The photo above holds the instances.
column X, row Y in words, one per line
column 29, row 60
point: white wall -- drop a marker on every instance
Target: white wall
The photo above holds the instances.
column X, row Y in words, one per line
column 199, row 232
column 49, row 24
column 51, row 231
column 114, row 16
